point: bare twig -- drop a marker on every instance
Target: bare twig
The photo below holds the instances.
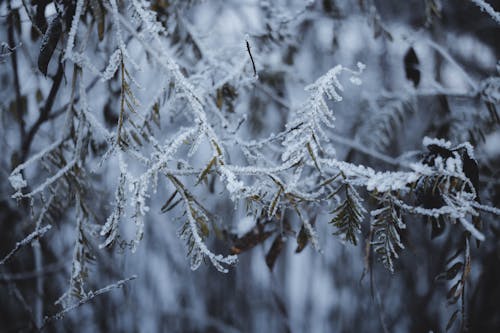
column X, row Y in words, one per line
column 30, row 238
column 46, row 270
column 367, row 151
column 89, row 297
column 13, row 56
column 446, row 55
column 38, row 308
column 19, row 296
column 44, row 113
column 251, row 58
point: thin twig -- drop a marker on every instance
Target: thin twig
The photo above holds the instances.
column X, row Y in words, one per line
column 44, row 113
column 48, row 269
column 486, row 7
column 19, row 296
column 38, row 307
column 89, row 297
column 13, row 55
column 445, row 54
column 251, row 58
column 27, row 240
column 367, row 151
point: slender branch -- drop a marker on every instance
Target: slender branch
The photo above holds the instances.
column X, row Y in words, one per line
column 56, row 113
column 48, row 269
column 486, row 7
column 19, row 296
column 30, row 17
column 89, row 297
column 445, row 54
column 27, row 240
column 13, row 56
column 44, row 113
column 38, row 308
column 251, row 58
column 38, row 256
column 122, row 103
column 370, row 152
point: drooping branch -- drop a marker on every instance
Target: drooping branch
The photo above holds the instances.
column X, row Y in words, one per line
column 26, row 241
column 88, row 298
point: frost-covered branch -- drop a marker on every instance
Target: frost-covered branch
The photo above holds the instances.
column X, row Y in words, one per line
column 26, row 241
column 486, row 7
column 88, row 297
column 196, row 224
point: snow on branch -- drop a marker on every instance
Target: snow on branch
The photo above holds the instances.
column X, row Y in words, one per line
column 281, row 171
column 49, row 181
column 194, row 228
column 16, row 179
column 89, row 297
column 305, row 130
column 26, row 241
column 68, row 53
column 486, row 7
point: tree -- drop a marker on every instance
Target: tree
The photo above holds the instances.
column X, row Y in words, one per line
column 247, row 126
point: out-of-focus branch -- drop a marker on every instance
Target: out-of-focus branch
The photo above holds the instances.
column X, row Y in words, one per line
column 89, row 297
column 28, row 240
column 363, row 149
column 445, row 54
column 48, row 269
column 19, row 296
column 13, row 56
column 486, row 7
column 44, row 113
column 38, row 308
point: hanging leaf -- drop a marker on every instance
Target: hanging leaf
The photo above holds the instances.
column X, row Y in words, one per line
column 219, row 98
column 156, row 115
column 273, row 207
column 167, row 206
column 437, row 226
column 40, row 20
column 274, row 252
column 311, row 153
column 302, row 239
column 451, row 272
column 349, row 215
column 411, row 64
column 252, row 238
column 98, row 14
column 451, row 321
column 205, row 171
column 386, row 226
column 49, row 43
column 454, row 292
